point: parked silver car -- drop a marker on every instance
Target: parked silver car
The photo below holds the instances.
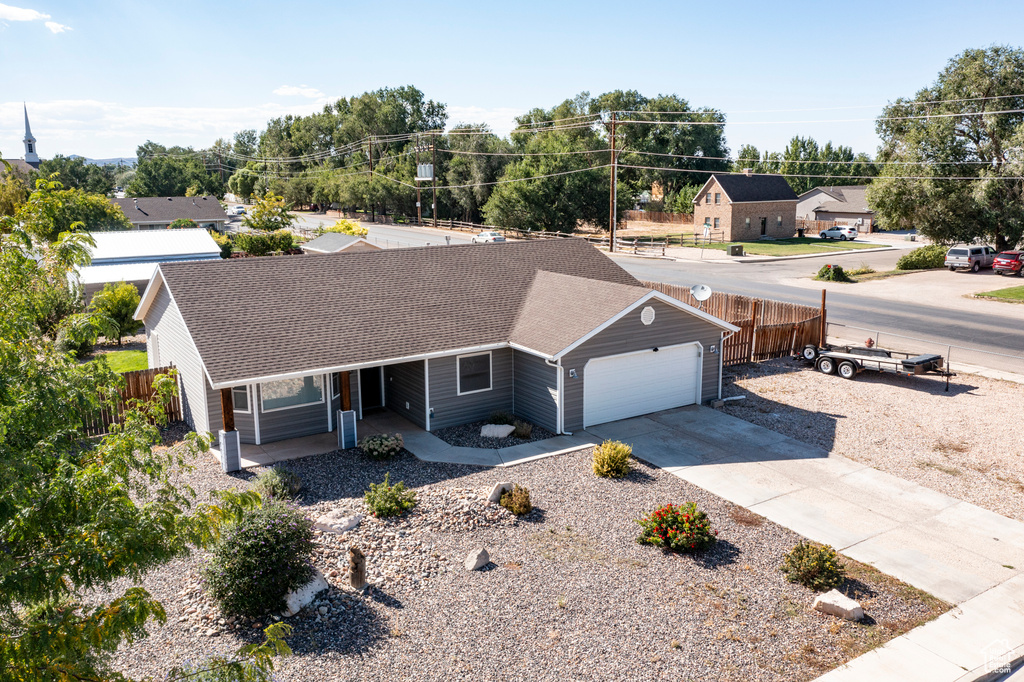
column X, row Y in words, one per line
column 971, row 258
column 842, row 232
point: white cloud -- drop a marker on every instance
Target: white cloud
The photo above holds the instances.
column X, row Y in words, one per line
column 9, row 13
column 298, row 91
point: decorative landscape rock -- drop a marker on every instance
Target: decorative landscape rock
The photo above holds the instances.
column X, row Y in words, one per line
column 835, row 603
column 496, row 430
column 296, row 600
column 498, row 490
column 477, row 559
column 337, row 522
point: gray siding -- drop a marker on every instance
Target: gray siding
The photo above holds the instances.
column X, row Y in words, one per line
column 164, row 320
column 536, row 390
column 293, row 422
column 671, row 326
column 451, row 409
column 404, row 383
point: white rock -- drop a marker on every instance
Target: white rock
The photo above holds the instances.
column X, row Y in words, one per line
column 297, row 599
column 835, row 603
column 336, row 522
column 477, row 559
column 496, row 430
column 498, row 490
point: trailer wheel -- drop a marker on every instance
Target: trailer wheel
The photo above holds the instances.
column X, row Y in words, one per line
column 847, row 369
column 826, row 365
column 810, row 353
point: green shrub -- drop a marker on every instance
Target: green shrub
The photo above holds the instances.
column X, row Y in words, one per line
column 384, row 499
column 259, row 559
column 833, row 273
column 182, row 224
column 224, row 242
column 864, row 269
column 611, row 459
column 523, row 429
column 382, row 446
column 931, row 256
column 501, row 417
column 814, row 566
column 264, row 243
column 345, row 227
column 277, row 483
column 78, row 333
column 681, row 528
column 116, row 303
column 517, row 500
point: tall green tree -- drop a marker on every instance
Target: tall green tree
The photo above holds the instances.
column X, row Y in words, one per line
column 75, row 173
column 477, row 159
column 944, row 131
column 172, row 171
column 52, row 210
column 269, row 214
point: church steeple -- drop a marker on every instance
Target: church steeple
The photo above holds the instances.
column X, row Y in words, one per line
column 31, row 157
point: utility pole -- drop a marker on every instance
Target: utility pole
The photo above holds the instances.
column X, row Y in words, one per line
column 373, row 209
column 419, row 209
column 613, row 200
column 433, row 176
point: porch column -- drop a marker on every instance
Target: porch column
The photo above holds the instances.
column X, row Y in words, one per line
column 230, row 445
column 346, row 392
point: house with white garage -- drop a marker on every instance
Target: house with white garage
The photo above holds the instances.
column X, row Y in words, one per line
column 847, row 204
column 130, row 256
column 157, row 213
column 552, row 331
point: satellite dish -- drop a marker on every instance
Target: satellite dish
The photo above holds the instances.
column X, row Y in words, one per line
column 700, row 292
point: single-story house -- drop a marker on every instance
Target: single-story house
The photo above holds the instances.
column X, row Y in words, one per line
column 157, row 213
column 745, row 207
column 133, row 256
column 553, row 331
column 335, row 242
column 847, row 204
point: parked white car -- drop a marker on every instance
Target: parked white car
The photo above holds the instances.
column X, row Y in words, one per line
column 488, row 237
column 841, row 232
column 236, row 210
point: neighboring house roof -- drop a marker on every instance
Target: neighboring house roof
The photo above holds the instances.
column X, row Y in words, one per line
column 739, row 187
column 21, row 166
column 169, row 209
column 333, row 242
column 152, row 246
column 842, row 199
column 282, row 316
column 124, row 272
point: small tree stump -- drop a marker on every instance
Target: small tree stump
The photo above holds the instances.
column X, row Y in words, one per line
column 356, row 568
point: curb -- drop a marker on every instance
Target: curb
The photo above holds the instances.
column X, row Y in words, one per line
column 772, row 259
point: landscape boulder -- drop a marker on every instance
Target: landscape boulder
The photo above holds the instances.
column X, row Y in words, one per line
column 835, row 603
column 336, row 522
column 477, row 559
column 298, row 599
column 496, row 430
column 498, row 490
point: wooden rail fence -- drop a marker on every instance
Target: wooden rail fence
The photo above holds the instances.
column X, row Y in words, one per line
column 768, row 328
column 659, row 217
column 137, row 385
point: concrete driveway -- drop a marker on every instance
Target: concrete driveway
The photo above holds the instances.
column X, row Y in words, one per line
column 957, row 551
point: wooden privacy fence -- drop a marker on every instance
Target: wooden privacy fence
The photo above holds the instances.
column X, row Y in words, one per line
column 659, row 217
column 768, row 328
column 814, row 226
column 137, row 385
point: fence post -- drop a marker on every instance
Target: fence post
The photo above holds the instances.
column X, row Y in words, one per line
column 754, row 309
column 823, row 332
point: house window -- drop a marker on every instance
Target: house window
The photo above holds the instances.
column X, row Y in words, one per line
column 335, row 384
column 474, row 373
column 780, row 221
column 707, row 220
column 716, row 223
column 748, row 223
column 240, row 397
column 289, row 393
column 707, row 198
column 718, row 198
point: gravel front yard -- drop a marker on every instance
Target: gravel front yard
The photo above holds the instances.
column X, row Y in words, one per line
column 468, row 436
column 967, row 443
column 569, row 593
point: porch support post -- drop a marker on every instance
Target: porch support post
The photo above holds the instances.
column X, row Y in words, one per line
column 230, row 445
column 346, row 392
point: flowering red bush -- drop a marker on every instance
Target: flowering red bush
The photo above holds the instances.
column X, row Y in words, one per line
column 679, row 527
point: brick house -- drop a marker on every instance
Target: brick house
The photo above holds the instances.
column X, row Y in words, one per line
column 746, row 207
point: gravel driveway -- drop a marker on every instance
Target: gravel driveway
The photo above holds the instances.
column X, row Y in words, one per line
column 967, row 443
column 569, row 593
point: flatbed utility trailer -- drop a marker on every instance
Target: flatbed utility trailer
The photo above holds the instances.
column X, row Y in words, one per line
column 849, row 361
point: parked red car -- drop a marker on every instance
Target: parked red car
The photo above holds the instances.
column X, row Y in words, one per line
column 1009, row 263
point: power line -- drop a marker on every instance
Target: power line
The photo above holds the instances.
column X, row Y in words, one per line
column 830, row 177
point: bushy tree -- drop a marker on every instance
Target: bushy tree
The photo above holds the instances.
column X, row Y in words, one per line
column 270, row 213
column 75, row 173
column 170, row 172
column 478, row 159
column 945, row 132
column 182, row 224
column 117, row 303
column 13, row 189
column 52, row 210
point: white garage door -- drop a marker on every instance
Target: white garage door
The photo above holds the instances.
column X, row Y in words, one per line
column 628, row 385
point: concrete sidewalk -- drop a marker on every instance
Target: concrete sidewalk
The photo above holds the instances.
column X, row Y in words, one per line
column 957, row 551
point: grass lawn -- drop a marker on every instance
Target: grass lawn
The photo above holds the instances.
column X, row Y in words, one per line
column 1014, row 294
column 126, row 360
column 795, row 246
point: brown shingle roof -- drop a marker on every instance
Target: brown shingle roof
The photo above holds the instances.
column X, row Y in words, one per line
column 169, row 209
column 740, row 187
column 259, row 317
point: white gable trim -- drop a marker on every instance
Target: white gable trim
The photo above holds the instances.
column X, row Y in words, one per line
column 657, row 295
column 700, row 192
column 344, row 248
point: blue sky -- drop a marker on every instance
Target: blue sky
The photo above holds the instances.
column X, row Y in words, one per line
column 101, row 78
